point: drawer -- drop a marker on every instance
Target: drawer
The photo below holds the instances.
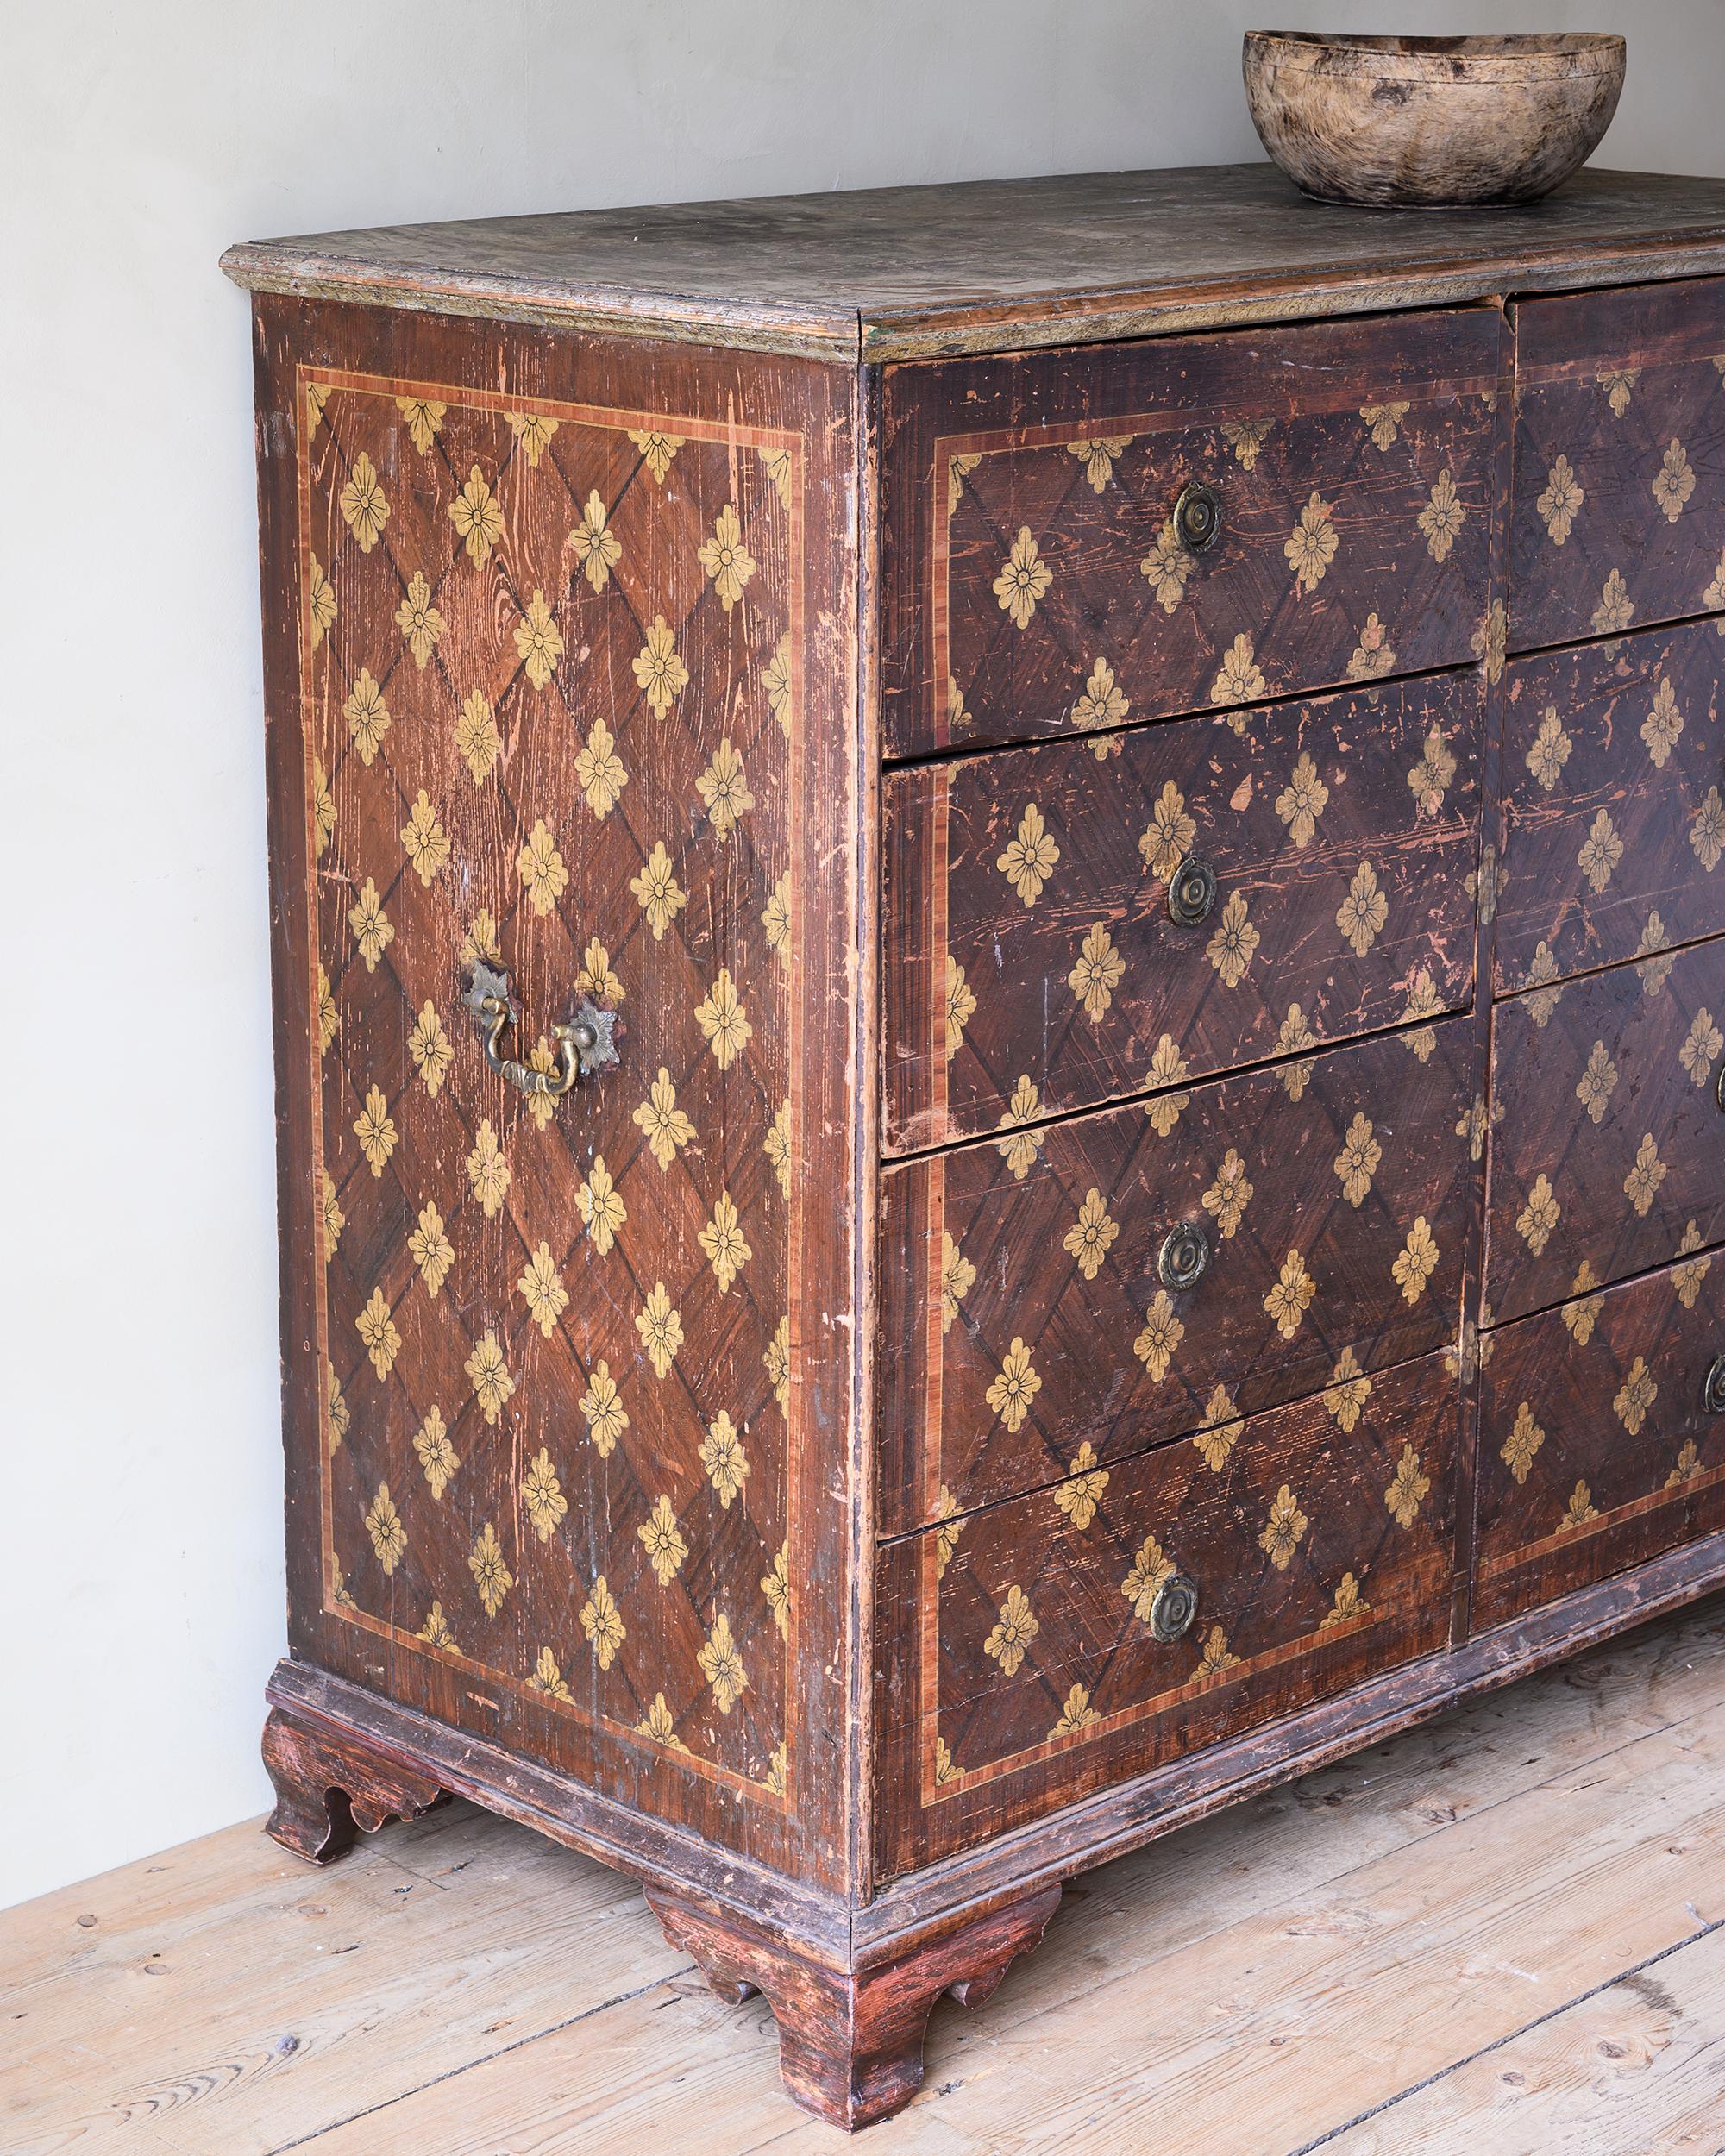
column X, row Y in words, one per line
column 1019, row 1665
column 1035, row 578
column 1608, row 1145
column 1598, row 1447
column 1033, row 963
column 1619, row 512
column 1026, row 1318
column 1613, row 824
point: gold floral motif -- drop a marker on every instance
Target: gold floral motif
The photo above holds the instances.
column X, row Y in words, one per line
column 1097, row 455
column 961, row 1006
column 376, row 1329
column 1290, row 1298
column 595, row 546
column 1417, row 1262
column 1579, row 1510
column 340, row 1417
column 493, row 1387
column 1706, row 833
column 1422, row 1003
column 1522, row 1443
column 657, row 449
column 660, row 1327
column 330, row 1214
column 435, row 1631
column 958, row 468
column 1009, row 1641
column 1537, row 1219
column 419, row 621
column 1166, row 839
column 383, row 1525
column 948, row 1526
column 1597, row 1082
column 367, row 715
column 1166, row 568
column 1311, row 546
column 542, row 1494
column 775, row 1360
column 320, row 602
column 602, row 1622
column 659, row 670
column 1030, row 855
column 603, row 1411
column 1654, row 973
column 1560, row 504
column 1386, row 422
column 316, row 397
column 1542, row 977
column 1489, row 643
column 722, row 1664
column 780, row 468
column 1618, row 383
column 425, row 420
column 1641, row 1184
column 1443, row 517
column 1714, row 597
column 727, row 562
column 1024, row 578
column 430, row 1249
column 548, row 1678
column 538, row 641
column 1230, row 948
column 1283, row 1530
column 1245, row 437
column 1472, row 1126
column 1551, row 749
column 1077, row 1714
column 775, row 918
column 492, row 1576
column 1088, row 1241
column 958, row 1277
column 595, row 977
column 1581, row 1317
column 1229, row 1194
column 1079, row 1497
column 363, row 508
column 777, row 1145
column 477, row 517
column 1103, row 702
column 323, row 807
column 721, row 1016
column 1688, row 1466
column 1219, row 1432
column 372, row 928
column 1349, row 1603
column 662, row 1121
column 1615, row 610
column 437, row 1458
column 1239, row 678
column 600, row 770
column 1357, row 1162
column 1020, row 1146
column 1430, row 778
column 722, row 1458
column 657, row 892
column 1361, row 913
column 1302, row 801
column 1662, row 725
column 1701, row 1045
column 533, row 432
column 1215, row 1661
column 1293, row 1038
column 1674, row 482
column 1097, row 974
column 1601, row 851
column 657, row 1725
column 602, row 1208
column 662, row 1541
column 1408, row 1488
column 1163, row 1333
column 1348, row 1391
column 543, row 1291
column 1013, row 1389
column 1141, row 1586
column 487, row 1170
column 1687, row 1277
column 725, row 789
column 1374, row 655
column 423, row 840
column 722, row 1239
column 477, row 738
column 374, row 1127
column 1167, row 1067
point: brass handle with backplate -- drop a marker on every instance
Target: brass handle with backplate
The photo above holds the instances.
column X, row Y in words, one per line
column 583, row 1045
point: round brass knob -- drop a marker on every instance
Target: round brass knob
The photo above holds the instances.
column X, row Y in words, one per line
column 1174, row 1608
column 1191, row 892
column 1713, row 1389
column 1184, row 1256
column 1198, row 518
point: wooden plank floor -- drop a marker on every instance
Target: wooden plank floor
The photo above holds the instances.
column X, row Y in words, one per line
column 1501, row 1935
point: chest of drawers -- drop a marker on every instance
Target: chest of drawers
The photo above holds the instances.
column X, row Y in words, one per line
column 998, row 920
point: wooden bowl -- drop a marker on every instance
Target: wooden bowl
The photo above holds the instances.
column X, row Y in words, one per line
column 1431, row 120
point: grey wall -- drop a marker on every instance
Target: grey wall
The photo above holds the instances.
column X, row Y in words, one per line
column 141, row 1588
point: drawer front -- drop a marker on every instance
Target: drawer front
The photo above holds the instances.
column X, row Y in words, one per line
column 1608, row 1145
column 1614, row 823
column 1598, row 1448
column 1619, row 516
column 1032, row 962
column 1018, row 1667
column 1035, row 578
column 1027, row 1320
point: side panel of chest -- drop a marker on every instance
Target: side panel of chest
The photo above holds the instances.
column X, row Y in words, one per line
column 560, row 658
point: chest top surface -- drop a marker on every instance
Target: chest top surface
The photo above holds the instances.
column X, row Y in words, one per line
column 908, row 273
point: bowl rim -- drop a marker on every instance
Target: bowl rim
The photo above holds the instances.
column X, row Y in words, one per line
column 1514, row 58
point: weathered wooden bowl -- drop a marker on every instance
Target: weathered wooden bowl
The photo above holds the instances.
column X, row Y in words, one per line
column 1431, row 120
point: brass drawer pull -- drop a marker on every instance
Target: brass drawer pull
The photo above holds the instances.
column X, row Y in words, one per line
column 1198, row 518
column 1191, row 892
column 1184, row 1257
column 583, row 1045
column 1174, row 1608
column 1713, row 1387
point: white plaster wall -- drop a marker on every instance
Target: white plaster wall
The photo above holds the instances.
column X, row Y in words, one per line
column 140, row 1581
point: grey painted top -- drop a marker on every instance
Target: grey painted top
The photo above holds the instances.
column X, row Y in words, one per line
column 904, row 272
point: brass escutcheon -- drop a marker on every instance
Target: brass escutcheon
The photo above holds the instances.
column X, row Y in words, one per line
column 1198, row 518
column 1191, row 892
column 1175, row 1605
column 1713, row 1387
column 1184, row 1256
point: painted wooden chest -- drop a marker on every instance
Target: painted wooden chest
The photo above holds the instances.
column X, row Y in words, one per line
column 1001, row 1016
